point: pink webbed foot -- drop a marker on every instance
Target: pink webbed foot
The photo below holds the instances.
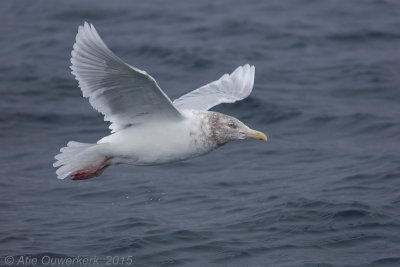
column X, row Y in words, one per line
column 91, row 172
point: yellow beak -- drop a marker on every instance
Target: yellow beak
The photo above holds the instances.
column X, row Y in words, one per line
column 256, row 134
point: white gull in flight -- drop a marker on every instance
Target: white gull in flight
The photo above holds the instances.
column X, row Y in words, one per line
column 147, row 128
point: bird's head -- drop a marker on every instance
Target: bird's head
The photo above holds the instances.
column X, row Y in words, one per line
column 225, row 128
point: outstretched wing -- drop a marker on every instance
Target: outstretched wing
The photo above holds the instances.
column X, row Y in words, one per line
column 123, row 94
column 228, row 89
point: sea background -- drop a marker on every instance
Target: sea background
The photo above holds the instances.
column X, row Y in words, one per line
column 323, row 191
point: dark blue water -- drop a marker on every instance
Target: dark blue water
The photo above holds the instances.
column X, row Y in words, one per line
column 324, row 190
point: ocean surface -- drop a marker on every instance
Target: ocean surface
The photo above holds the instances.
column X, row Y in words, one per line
column 323, row 191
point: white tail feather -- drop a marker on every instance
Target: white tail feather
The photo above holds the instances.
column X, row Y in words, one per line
column 76, row 156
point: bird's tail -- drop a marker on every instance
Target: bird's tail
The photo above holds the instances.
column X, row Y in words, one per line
column 77, row 156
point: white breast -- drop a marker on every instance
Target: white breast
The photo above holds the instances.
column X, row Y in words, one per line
column 159, row 142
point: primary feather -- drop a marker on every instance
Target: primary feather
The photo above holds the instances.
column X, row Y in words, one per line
column 123, row 94
column 228, row 89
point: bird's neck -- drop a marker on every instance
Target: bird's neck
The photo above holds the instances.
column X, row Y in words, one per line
column 208, row 133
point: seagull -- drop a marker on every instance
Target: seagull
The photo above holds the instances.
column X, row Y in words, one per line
column 147, row 128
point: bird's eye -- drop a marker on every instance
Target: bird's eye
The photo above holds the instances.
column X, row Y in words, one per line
column 231, row 125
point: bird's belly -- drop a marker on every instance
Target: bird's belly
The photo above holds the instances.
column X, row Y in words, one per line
column 157, row 153
column 154, row 152
column 143, row 146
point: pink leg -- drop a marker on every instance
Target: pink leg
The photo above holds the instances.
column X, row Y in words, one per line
column 91, row 171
